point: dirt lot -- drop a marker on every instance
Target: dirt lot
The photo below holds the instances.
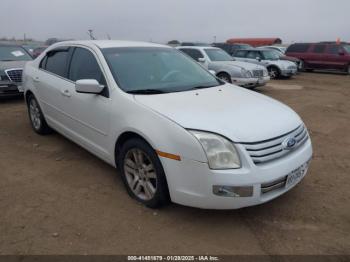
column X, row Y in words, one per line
column 56, row 198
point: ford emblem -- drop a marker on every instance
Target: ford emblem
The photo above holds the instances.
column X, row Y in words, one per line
column 289, row 143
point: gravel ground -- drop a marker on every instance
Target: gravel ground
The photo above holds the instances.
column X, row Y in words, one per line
column 56, row 198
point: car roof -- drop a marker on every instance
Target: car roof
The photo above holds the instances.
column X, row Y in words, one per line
column 198, row 47
column 109, row 43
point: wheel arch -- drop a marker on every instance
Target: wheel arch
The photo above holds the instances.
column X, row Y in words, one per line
column 274, row 66
column 122, row 138
column 27, row 94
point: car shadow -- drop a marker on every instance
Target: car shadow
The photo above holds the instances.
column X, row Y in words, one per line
column 13, row 99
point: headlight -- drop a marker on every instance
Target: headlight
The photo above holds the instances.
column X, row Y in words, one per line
column 221, row 153
column 246, row 73
column 265, row 72
column 3, row 77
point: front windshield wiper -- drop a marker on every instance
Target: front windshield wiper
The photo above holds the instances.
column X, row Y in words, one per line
column 201, row 87
column 146, row 91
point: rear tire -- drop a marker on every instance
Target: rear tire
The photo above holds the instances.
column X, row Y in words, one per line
column 142, row 173
column 36, row 117
column 225, row 77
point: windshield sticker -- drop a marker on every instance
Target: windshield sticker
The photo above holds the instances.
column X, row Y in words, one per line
column 17, row 53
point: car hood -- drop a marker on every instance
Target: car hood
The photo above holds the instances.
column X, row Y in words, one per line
column 234, row 112
column 239, row 64
column 4, row 65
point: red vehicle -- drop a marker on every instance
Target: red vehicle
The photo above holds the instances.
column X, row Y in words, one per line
column 322, row 56
column 255, row 41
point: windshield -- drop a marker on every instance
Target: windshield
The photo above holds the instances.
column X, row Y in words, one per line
column 13, row 53
column 156, row 69
column 218, row 55
column 271, row 55
column 347, row 48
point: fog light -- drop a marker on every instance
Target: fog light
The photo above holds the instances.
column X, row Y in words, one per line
column 233, row 191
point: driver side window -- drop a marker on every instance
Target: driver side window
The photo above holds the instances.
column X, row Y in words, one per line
column 84, row 66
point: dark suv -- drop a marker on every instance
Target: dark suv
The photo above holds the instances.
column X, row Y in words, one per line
column 231, row 48
column 323, row 56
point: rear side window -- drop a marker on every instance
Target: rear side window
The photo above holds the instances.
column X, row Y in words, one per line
column 334, row 49
column 56, row 62
column 84, row 66
column 254, row 55
column 240, row 53
column 298, row 48
column 195, row 54
column 319, row 48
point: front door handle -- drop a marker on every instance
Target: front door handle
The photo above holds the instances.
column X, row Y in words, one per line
column 66, row 93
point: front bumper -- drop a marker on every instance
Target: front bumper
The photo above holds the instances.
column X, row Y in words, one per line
column 289, row 72
column 250, row 82
column 8, row 88
column 191, row 183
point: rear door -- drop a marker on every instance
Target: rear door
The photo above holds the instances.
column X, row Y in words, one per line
column 49, row 81
column 317, row 57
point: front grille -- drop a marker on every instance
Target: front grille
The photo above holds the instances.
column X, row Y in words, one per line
column 258, row 73
column 274, row 185
column 271, row 149
column 15, row 75
column 292, row 67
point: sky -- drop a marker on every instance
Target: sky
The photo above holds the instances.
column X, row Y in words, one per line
column 184, row 20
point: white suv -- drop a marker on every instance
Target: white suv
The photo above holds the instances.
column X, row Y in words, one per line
column 174, row 131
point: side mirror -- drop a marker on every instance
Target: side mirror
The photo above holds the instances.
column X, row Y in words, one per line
column 88, row 86
column 201, row 60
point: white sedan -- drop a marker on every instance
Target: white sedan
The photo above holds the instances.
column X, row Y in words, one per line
column 174, row 131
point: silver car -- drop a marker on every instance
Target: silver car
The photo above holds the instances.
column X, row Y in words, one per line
column 267, row 57
column 227, row 68
column 12, row 61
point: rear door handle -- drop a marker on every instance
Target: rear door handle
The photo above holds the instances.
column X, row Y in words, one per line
column 66, row 93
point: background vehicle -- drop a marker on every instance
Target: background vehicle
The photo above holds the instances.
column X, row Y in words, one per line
column 323, row 55
column 270, row 59
column 282, row 56
column 194, row 44
column 231, row 48
column 226, row 68
column 37, row 51
column 255, row 41
column 281, row 49
column 167, row 124
column 12, row 61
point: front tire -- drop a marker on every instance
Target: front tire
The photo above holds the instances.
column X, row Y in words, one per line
column 225, row 77
column 143, row 174
column 274, row 72
column 36, row 117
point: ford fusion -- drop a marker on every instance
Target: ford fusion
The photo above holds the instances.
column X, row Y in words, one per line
column 173, row 130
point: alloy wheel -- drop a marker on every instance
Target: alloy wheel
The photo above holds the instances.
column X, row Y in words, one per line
column 140, row 174
column 273, row 73
column 35, row 115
